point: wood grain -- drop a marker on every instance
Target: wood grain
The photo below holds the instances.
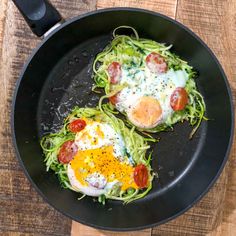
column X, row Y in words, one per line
column 3, row 8
column 167, row 7
column 82, row 230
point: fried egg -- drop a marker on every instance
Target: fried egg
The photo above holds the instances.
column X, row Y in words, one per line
column 101, row 162
column 145, row 90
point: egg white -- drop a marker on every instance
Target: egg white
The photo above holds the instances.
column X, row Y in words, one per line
column 111, row 137
column 142, row 82
column 96, row 182
column 89, row 189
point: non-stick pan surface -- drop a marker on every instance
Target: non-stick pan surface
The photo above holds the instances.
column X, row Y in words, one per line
column 58, row 76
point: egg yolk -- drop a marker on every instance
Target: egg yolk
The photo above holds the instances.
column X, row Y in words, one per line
column 85, row 135
column 146, row 113
column 102, row 160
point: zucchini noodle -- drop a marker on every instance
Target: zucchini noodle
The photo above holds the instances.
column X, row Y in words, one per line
column 136, row 147
column 130, row 52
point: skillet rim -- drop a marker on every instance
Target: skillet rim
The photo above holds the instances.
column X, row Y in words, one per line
column 115, row 9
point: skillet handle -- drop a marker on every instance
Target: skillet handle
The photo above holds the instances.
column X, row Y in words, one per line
column 40, row 15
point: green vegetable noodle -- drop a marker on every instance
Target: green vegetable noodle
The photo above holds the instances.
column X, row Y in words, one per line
column 131, row 68
column 93, row 132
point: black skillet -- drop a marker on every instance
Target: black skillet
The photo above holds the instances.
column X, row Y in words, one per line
column 57, row 76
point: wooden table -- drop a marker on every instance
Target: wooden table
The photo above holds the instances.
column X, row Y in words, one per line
column 22, row 210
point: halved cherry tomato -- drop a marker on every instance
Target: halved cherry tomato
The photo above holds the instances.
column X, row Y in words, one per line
column 141, row 176
column 67, row 152
column 114, row 71
column 77, row 125
column 156, row 63
column 113, row 99
column 179, row 99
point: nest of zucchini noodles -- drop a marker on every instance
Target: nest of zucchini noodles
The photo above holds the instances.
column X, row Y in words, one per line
column 130, row 51
column 135, row 143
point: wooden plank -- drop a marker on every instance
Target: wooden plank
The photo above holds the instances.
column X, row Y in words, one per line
column 167, row 7
column 23, row 211
column 25, row 217
column 82, row 230
column 9, row 187
column 3, row 8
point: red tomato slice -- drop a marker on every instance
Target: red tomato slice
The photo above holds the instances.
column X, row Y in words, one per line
column 156, row 63
column 114, row 99
column 114, row 71
column 141, row 176
column 67, row 152
column 179, row 99
column 77, row 125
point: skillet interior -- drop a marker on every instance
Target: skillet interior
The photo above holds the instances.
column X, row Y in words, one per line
column 58, row 77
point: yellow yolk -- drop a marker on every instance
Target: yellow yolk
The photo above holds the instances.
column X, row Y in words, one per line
column 145, row 113
column 102, row 160
column 86, row 135
column 99, row 131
